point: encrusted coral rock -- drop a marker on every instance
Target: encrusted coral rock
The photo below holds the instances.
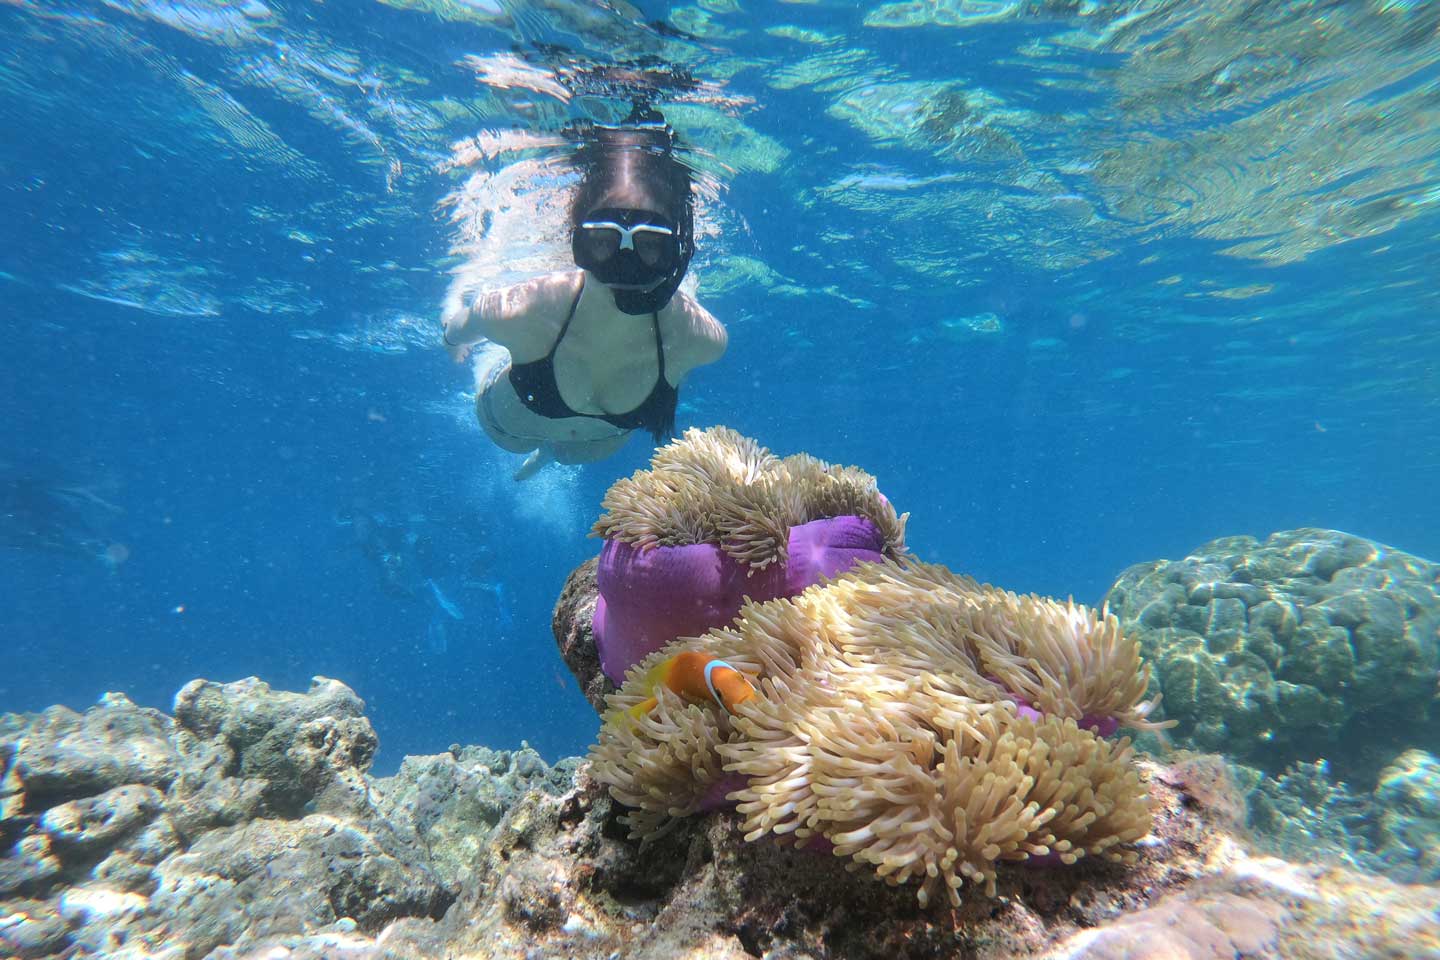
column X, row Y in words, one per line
column 556, row 878
column 716, row 519
column 266, row 875
column 451, row 801
column 29, row 865
column 94, row 822
column 1313, row 643
column 1408, row 797
column 573, row 624
column 299, row 745
column 246, row 816
column 1214, row 926
column 63, row 755
column 886, row 727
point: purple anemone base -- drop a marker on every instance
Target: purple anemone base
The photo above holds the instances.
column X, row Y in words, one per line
column 717, row 796
column 650, row 597
column 1100, row 725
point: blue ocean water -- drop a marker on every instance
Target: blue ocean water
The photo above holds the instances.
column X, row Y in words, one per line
column 1083, row 286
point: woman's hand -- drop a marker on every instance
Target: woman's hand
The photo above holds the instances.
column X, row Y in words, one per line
column 451, row 327
column 458, row 351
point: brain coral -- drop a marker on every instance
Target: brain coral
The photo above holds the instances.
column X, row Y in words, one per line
column 718, row 518
column 1314, row 643
column 885, row 724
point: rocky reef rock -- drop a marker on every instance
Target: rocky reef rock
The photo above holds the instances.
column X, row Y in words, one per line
column 1312, row 643
column 65, row 755
column 129, row 833
column 1393, row 830
column 574, row 627
column 450, row 801
column 1408, row 796
column 480, row 853
column 301, row 749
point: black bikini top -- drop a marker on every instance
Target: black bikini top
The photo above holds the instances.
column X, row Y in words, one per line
column 534, row 383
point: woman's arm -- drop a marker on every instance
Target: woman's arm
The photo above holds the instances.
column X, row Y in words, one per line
column 521, row 318
column 460, row 325
column 701, row 339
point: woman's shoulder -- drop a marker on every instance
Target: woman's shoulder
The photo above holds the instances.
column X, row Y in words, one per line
column 539, row 293
column 702, row 338
column 691, row 316
column 525, row 316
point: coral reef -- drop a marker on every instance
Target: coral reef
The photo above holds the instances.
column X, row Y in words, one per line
column 1394, row 829
column 886, row 727
column 126, row 830
column 718, row 518
column 1408, row 795
column 477, row 853
column 566, row 884
column 450, row 801
column 1311, row 644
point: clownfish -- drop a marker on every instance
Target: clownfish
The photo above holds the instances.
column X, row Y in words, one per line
column 695, row 677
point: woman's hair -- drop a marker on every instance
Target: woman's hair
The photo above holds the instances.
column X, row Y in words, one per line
column 632, row 168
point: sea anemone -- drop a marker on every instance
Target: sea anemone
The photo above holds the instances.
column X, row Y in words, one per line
column 718, row 518
column 717, row 486
column 886, row 724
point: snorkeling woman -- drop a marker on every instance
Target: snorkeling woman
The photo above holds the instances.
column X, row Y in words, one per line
column 600, row 351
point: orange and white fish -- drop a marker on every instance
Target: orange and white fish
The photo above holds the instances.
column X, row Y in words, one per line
column 696, row 677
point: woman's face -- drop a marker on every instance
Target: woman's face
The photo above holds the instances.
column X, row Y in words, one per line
column 627, row 249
